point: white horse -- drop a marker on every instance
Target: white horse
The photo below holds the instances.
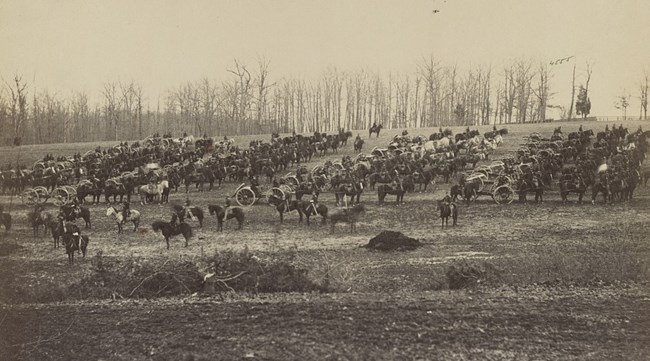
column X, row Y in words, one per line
column 153, row 190
column 134, row 216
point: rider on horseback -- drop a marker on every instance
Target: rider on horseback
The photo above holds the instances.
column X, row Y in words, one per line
column 126, row 211
column 227, row 209
column 187, row 210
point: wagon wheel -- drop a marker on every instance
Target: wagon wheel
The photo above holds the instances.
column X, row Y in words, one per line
column 288, row 189
column 503, row 194
column 85, row 183
column 319, row 169
column 323, row 186
column 61, row 196
column 245, row 197
column 72, row 191
column 30, row 196
column 277, row 193
column 292, row 180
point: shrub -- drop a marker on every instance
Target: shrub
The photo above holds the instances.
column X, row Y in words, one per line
column 245, row 272
column 470, row 273
column 137, row 278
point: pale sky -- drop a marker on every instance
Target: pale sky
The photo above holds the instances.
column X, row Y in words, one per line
column 68, row 45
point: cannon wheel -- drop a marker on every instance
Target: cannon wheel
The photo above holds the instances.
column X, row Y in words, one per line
column 36, row 195
column 317, row 169
column 503, row 194
column 245, row 197
column 61, row 196
column 292, row 180
column 277, row 192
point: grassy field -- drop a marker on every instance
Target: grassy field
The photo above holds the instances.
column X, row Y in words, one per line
column 557, row 281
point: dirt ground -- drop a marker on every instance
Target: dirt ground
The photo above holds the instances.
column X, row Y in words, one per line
column 530, row 324
column 392, row 313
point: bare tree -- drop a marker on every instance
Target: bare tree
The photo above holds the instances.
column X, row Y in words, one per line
column 429, row 69
column 643, row 112
column 622, row 102
column 17, row 107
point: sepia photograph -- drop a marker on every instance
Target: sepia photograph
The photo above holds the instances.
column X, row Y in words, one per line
column 324, row 180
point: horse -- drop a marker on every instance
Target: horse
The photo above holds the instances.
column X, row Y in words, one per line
column 114, row 189
column 348, row 189
column 398, row 191
column 39, row 217
column 468, row 191
column 193, row 213
column 219, row 211
column 58, row 228
column 70, row 215
column 75, row 242
column 358, row 144
column 601, row 186
column 447, row 210
column 134, row 216
column 572, row 186
column 169, row 230
column 151, row 191
column 283, row 206
column 534, row 185
column 350, row 216
column 5, row 220
column 311, row 208
column 375, row 129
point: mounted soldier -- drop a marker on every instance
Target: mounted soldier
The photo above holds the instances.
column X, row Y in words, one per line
column 126, row 211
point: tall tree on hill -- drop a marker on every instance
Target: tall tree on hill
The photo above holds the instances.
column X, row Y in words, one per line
column 622, row 102
column 430, row 69
column 643, row 112
column 17, row 107
column 112, row 108
column 583, row 103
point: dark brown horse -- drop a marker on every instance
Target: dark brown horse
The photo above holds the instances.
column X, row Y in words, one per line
column 70, row 214
column 309, row 209
column 219, row 211
column 572, row 184
column 397, row 190
column 285, row 206
column 533, row 185
column 169, row 230
column 75, row 242
column 39, row 217
column 375, row 129
column 58, row 228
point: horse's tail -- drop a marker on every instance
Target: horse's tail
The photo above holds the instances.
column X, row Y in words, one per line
column 156, row 226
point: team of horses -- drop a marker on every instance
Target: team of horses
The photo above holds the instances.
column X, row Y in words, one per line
column 577, row 162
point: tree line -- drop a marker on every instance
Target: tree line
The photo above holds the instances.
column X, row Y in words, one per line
column 247, row 101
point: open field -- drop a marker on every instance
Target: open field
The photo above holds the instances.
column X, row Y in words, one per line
column 562, row 281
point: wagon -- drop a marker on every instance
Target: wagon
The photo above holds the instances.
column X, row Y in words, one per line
column 499, row 188
column 64, row 195
column 246, row 197
column 36, row 195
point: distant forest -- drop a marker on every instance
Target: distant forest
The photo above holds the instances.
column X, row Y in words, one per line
column 247, row 102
